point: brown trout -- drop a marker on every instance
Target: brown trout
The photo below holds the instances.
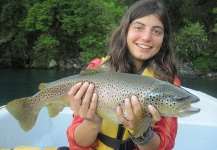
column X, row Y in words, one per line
column 112, row 89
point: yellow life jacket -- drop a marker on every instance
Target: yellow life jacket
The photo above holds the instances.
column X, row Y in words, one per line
column 110, row 129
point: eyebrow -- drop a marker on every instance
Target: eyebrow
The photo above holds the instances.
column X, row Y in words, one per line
column 137, row 22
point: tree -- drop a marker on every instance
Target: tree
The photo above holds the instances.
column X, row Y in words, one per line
column 191, row 41
column 35, row 31
column 66, row 28
column 12, row 43
column 215, row 26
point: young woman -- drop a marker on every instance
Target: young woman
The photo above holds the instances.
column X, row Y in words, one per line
column 140, row 45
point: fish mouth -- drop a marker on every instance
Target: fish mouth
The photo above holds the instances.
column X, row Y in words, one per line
column 186, row 109
column 189, row 108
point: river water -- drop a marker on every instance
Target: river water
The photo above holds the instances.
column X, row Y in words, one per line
column 18, row 83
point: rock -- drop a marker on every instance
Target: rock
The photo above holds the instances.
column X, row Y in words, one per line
column 187, row 69
column 69, row 66
column 61, row 64
column 52, row 64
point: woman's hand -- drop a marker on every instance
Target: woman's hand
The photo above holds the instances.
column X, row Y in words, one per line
column 155, row 114
column 84, row 102
column 133, row 104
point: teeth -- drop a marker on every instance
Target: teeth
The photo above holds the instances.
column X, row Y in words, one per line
column 143, row 46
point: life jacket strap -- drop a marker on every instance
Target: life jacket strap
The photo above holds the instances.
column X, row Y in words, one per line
column 116, row 143
column 140, row 71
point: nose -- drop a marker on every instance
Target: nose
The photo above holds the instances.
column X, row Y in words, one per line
column 146, row 35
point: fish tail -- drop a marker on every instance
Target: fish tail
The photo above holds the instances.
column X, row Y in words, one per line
column 22, row 111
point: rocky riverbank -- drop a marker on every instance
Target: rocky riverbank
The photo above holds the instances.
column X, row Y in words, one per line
column 185, row 69
column 188, row 70
column 70, row 64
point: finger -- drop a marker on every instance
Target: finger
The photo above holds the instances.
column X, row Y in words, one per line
column 74, row 89
column 154, row 112
column 87, row 100
column 119, row 114
column 135, row 103
column 129, row 109
column 77, row 99
column 88, row 95
column 93, row 105
column 81, row 92
column 72, row 93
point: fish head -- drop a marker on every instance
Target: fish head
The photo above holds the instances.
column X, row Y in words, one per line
column 173, row 101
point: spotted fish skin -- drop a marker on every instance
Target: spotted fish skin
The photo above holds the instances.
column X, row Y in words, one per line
column 112, row 89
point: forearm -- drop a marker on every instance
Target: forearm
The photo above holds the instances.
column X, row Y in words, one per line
column 86, row 133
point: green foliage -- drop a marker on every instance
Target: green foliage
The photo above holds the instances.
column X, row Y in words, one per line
column 129, row 2
column 192, row 10
column 35, row 31
column 12, row 51
column 205, row 64
column 197, row 11
column 44, row 50
column 190, row 41
column 95, row 28
column 46, row 42
column 11, row 13
column 41, row 61
column 73, row 26
column 215, row 25
column 40, row 16
column 92, row 29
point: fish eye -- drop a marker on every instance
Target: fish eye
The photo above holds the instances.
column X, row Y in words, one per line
column 180, row 99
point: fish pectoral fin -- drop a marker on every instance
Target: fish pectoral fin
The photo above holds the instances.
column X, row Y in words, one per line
column 54, row 109
column 143, row 121
column 90, row 71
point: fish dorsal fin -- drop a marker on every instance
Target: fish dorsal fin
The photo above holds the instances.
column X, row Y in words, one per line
column 41, row 86
column 90, row 71
column 143, row 121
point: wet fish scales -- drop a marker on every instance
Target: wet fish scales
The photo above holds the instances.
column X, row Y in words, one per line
column 112, row 89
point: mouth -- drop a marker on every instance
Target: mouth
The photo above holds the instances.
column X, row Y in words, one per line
column 144, row 46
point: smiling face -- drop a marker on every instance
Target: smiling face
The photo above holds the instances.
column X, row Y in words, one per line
column 144, row 38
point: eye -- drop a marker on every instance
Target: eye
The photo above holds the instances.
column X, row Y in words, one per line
column 138, row 27
column 157, row 31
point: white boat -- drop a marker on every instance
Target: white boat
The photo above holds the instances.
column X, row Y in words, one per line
column 197, row 132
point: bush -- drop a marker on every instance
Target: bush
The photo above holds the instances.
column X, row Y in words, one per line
column 67, row 28
column 205, row 64
column 215, row 26
column 191, row 40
